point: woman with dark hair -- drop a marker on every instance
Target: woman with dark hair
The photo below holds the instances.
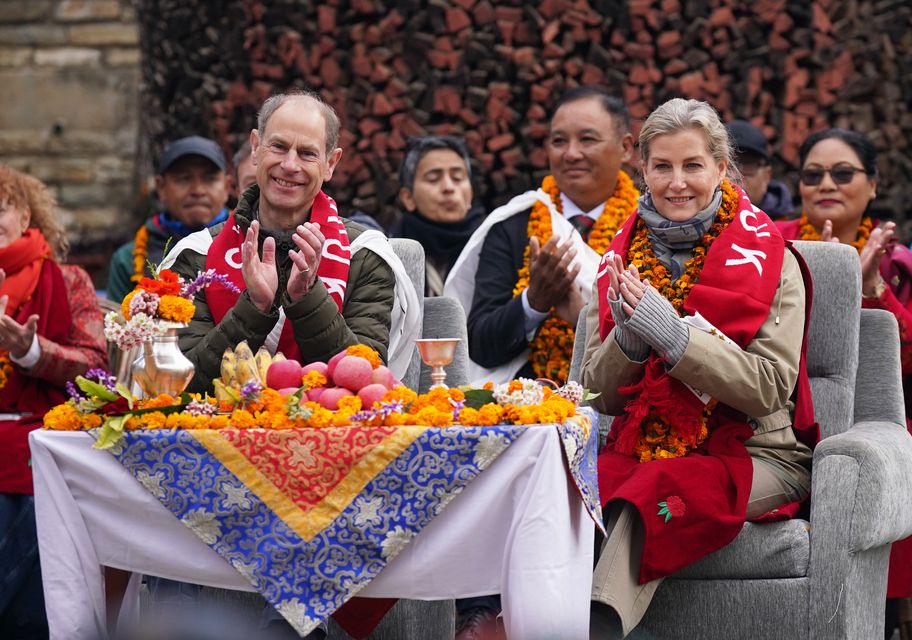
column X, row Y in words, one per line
column 50, row 332
column 435, row 188
column 695, row 342
column 838, row 183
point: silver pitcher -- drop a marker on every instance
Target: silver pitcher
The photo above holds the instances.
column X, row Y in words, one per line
column 162, row 368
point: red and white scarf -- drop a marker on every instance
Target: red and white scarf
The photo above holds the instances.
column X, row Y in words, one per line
column 225, row 257
column 710, row 486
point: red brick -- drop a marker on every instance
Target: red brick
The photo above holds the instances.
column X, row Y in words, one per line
column 484, row 13
column 500, row 141
column 722, row 17
column 457, row 19
column 674, row 67
column 380, row 105
column 639, row 74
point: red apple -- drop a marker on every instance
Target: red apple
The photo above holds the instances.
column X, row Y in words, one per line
column 284, row 373
column 330, row 397
column 371, row 393
column 382, row 375
column 331, row 365
column 288, row 391
column 353, row 372
column 319, row 367
column 314, row 394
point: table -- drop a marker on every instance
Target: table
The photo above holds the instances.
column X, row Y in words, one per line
column 520, row 529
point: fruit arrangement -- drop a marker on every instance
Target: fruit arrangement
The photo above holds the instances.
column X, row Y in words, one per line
column 357, row 370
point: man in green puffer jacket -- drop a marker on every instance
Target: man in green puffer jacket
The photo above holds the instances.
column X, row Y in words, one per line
column 308, row 288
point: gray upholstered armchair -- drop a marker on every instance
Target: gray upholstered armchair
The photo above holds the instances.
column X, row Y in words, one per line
column 824, row 578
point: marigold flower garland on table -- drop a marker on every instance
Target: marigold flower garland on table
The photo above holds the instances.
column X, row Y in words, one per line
column 658, row 439
column 808, row 232
column 552, row 346
column 97, row 401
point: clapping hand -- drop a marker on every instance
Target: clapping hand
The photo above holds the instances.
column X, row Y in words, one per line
column 625, row 283
column 14, row 337
column 305, row 260
column 260, row 275
column 550, row 273
column 871, row 257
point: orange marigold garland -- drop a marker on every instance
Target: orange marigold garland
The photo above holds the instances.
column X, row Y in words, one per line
column 808, row 232
column 6, row 368
column 552, row 347
column 658, row 439
column 140, row 253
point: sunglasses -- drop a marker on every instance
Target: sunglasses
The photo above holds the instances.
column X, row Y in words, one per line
column 841, row 174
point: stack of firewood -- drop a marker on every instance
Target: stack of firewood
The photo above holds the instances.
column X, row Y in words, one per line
column 492, row 70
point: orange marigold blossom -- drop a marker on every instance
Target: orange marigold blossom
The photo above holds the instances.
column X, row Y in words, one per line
column 175, row 309
column 313, row 379
column 349, row 404
column 808, row 232
column 63, row 417
column 364, row 351
column 125, row 304
column 552, row 347
column 658, row 439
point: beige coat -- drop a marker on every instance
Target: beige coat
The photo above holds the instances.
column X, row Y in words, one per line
column 757, row 381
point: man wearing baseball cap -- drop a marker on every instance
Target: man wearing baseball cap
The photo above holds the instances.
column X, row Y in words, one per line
column 192, row 187
column 752, row 154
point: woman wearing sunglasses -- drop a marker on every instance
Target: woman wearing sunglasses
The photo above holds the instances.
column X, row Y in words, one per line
column 838, row 182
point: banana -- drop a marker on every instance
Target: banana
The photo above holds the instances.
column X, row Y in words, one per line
column 246, row 369
column 228, row 367
column 263, row 359
column 242, row 351
column 246, row 372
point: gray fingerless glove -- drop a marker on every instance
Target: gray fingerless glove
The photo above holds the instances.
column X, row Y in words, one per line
column 657, row 323
column 630, row 343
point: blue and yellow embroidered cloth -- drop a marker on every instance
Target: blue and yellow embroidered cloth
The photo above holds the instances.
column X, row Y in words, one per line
column 310, row 516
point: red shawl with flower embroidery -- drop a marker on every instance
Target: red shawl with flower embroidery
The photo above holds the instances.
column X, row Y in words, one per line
column 696, row 504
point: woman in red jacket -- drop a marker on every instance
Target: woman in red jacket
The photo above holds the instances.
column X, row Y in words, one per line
column 51, row 330
column 838, row 182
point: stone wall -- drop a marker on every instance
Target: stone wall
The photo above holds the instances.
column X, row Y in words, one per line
column 69, row 112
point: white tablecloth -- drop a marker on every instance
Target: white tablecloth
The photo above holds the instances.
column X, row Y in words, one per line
column 519, row 529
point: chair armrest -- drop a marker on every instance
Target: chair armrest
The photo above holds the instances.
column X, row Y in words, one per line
column 861, row 481
column 878, row 384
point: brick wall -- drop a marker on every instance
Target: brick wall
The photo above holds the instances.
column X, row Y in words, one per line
column 69, row 72
column 491, row 71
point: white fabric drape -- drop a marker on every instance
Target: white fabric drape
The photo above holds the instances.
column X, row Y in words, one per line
column 519, row 529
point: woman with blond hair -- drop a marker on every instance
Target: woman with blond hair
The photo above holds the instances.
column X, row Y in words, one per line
column 695, row 342
column 51, row 330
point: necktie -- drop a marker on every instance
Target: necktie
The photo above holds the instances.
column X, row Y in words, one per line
column 583, row 224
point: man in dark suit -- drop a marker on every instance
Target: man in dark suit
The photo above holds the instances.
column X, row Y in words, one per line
column 527, row 271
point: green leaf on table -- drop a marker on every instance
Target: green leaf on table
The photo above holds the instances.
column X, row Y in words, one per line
column 95, row 389
column 477, row 398
column 111, row 432
column 124, row 393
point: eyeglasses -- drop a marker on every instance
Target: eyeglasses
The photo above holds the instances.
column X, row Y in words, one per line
column 841, row 174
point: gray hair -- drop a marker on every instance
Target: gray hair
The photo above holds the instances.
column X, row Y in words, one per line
column 241, row 154
column 679, row 114
column 333, row 125
column 416, row 149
